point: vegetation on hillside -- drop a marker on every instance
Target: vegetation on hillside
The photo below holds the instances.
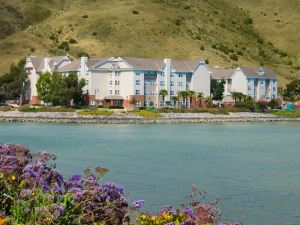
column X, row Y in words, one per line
column 219, row 31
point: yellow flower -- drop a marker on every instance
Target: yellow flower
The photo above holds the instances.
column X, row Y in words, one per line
column 143, row 217
column 20, row 223
column 2, row 221
column 33, row 194
column 46, row 219
column 55, row 184
column 13, row 177
column 153, row 218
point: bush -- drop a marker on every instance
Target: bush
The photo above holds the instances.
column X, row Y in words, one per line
column 177, row 22
column 274, row 104
column 85, row 16
column 135, row 12
column 83, row 54
column 202, row 48
column 64, row 45
column 32, row 191
column 234, row 57
column 240, row 53
column 116, row 107
column 72, row 41
column 28, row 108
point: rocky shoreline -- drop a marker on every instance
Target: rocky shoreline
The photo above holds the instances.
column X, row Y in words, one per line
column 128, row 118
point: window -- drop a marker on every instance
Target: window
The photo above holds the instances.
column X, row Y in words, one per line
column 137, row 73
column 172, row 74
column 249, row 88
column 117, row 82
column 147, row 103
column 145, row 92
column 261, row 82
column 180, row 84
column 86, row 82
column 162, row 74
column 274, row 81
column 137, row 82
column 117, row 92
column 146, row 82
column 152, row 82
column 180, row 75
column 172, row 84
column 152, row 92
column 152, row 73
column 110, row 92
column 138, row 104
column 172, row 93
column 274, row 88
column 180, row 103
column 117, row 74
column 110, row 82
column 162, row 83
column 161, row 103
column 138, row 92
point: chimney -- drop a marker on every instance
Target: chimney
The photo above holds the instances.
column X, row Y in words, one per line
column 83, row 61
column 46, row 64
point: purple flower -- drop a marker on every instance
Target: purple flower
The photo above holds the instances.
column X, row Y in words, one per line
column 75, row 178
column 188, row 211
column 137, row 204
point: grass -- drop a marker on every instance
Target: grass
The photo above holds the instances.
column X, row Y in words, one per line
column 161, row 28
column 5, row 108
column 215, row 110
column 27, row 108
column 292, row 114
column 98, row 112
column 147, row 114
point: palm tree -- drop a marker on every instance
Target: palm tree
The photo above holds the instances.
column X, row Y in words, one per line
column 236, row 95
column 163, row 93
column 183, row 95
column 191, row 94
column 175, row 100
column 208, row 101
column 200, row 97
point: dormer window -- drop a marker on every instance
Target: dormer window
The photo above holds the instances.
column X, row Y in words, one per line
column 260, row 72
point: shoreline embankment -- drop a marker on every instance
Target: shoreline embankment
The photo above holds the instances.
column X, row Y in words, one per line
column 130, row 118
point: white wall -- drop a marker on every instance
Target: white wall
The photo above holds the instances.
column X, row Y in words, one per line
column 239, row 82
column 201, row 80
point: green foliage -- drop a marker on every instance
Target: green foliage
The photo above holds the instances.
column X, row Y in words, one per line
column 295, row 114
column 234, row 57
column 64, row 45
column 72, row 41
column 292, row 91
column 5, row 108
column 147, row 114
column 60, row 90
column 83, row 54
column 248, row 20
column 217, row 89
column 28, row 108
column 96, row 112
column 13, row 83
column 135, row 12
column 274, row 104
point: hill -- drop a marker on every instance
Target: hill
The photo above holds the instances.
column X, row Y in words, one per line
column 225, row 32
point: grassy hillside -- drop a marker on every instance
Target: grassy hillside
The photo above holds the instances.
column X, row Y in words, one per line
column 227, row 33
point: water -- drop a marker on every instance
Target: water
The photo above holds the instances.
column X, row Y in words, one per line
column 254, row 168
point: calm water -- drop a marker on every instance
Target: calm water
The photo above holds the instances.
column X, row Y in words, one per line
column 253, row 168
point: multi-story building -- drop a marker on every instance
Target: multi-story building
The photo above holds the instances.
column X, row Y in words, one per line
column 259, row 83
column 38, row 65
column 124, row 80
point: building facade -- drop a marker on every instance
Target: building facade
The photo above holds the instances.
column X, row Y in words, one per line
column 259, row 83
column 35, row 66
column 123, row 81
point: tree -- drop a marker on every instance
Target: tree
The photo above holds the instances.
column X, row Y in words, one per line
column 163, row 93
column 183, row 95
column 208, row 101
column 292, row 91
column 200, row 97
column 175, row 100
column 217, row 89
column 237, row 95
column 60, row 90
column 191, row 94
column 13, row 84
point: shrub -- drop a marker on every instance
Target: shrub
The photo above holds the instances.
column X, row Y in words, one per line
column 135, row 12
column 202, row 48
column 5, row 108
column 72, row 41
column 206, row 61
column 83, row 54
column 85, row 16
column 274, row 103
column 234, row 57
column 28, row 108
column 177, row 22
column 116, row 107
column 240, row 53
column 64, row 45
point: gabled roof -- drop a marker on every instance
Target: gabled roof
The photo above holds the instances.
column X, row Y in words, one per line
column 221, row 73
column 73, row 66
column 253, row 72
column 93, row 62
column 144, row 63
column 184, row 65
column 39, row 62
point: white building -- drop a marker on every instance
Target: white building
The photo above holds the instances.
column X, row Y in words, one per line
column 117, row 81
column 38, row 65
column 259, row 83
